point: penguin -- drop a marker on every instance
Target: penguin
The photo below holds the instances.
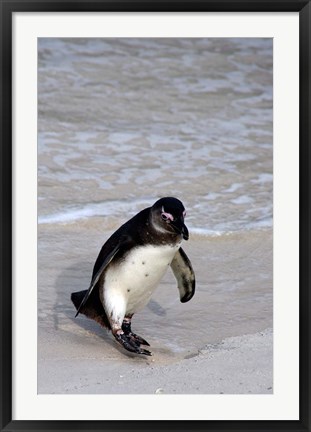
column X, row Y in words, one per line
column 131, row 264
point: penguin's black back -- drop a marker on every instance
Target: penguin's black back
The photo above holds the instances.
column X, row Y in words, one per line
column 132, row 233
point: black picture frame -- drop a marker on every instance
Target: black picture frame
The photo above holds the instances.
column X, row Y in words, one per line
column 7, row 8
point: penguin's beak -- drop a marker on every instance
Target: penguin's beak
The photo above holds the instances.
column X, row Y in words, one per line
column 185, row 232
column 180, row 228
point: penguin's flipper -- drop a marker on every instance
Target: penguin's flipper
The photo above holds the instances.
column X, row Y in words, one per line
column 96, row 275
column 184, row 274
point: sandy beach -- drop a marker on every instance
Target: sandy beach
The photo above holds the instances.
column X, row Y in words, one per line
column 220, row 342
column 238, row 365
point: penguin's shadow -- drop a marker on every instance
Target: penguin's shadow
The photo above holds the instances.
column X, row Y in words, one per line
column 74, row 278
column 156, row 308
column 77, row 278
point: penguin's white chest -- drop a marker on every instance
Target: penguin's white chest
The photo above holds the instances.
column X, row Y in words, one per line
column 133, row 280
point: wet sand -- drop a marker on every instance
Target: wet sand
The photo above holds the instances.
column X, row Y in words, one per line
column 219, row 342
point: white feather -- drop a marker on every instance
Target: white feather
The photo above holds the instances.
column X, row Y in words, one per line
column 128, row 286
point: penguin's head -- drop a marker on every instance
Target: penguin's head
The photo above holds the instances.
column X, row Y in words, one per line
column 168, row 215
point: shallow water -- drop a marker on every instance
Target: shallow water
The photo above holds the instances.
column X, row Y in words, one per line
column 125, row 121
column 122, row 122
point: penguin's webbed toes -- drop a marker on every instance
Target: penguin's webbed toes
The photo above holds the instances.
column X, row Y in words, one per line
column 131, row 344
column 139, row 339
column 144, row 351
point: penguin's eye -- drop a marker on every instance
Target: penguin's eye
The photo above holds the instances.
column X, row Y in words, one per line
column 167, row 216
column 184, row 213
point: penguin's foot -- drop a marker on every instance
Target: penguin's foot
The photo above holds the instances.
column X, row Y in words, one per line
column 126, row 327
column 131, row 344
column 138, row 339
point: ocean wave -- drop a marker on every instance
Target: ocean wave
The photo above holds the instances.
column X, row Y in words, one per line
column 125, row 210
column 107, row 208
